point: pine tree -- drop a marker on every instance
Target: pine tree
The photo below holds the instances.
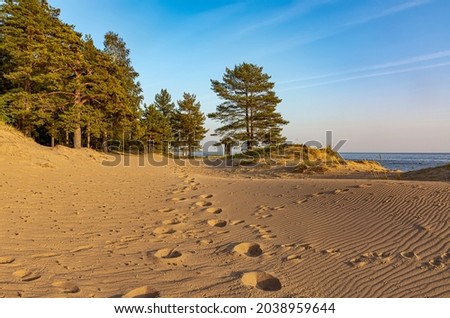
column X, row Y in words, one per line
column 163, row 102
column 53, row 81
column 126, row 98
column 189, row 123
column 27, row 32
column 158, row 131
column 248, row 112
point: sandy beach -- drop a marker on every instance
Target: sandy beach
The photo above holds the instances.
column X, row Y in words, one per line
column 71, row 227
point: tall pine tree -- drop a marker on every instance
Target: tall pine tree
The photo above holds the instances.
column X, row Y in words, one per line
column 163, row 102
column 248, row 112
column 55, row 82
column 189, row 123
column 125, row 100
column 28, row 30
column 158, row 131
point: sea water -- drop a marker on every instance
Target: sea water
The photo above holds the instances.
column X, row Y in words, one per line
column 402, row 161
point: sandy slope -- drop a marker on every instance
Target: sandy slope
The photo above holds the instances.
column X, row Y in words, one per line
column 71, row 227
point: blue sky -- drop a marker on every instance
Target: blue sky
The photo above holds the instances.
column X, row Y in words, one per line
column 374, row 72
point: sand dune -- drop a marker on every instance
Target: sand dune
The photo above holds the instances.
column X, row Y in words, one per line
column 71, row 227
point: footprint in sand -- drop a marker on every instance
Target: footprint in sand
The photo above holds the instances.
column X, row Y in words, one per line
column 368, row 185
column 142, row 292
column 45, row 255
column 205, row 242
column 292, row 257
column 179, row 199
column 205, row 196
column 130, row 238
column 268, row 236
column 6, row 260
column 370, row 258
column 358, row 262
column 236, row 222
column 203, row 203
column 376, row 255
column 439, row 262
column 409, row 255
column 337, row 191
column 163, row 230
column 301, row 201
column 194, row 231
column 383, row 258
column 261, row 280
column 262, row 208
column 331, row 251
column 214, row 210
column 248, row 249
column 264, row 216
column 166, row 210
column 32, row 277
column 420, row 227
column 21, row 273
column 436, row 263
column 26, row 275
column 81, row 248
column 167, row 253
column 66, row 287
column 220, row 232
column 171, row 222
column 217, row 222
column 287, row 245
column 304, row 247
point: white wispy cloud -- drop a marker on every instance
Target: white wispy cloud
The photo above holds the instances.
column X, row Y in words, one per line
column 302, row 40
column 391, row 11
column 285, row 15
column 369, row 75
column 406, row 61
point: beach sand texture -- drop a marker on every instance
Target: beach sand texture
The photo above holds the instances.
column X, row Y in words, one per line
column 71, row 227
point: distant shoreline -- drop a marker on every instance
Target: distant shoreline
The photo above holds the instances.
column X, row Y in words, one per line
column 407, row 161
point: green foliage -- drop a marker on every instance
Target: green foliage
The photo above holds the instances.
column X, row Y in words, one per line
column 54, row 81
column 158, row 131
column 165, row 106
column 248, row 112
column 28, row 32
column 189, row 123
column 163, row 102
column 125, row 92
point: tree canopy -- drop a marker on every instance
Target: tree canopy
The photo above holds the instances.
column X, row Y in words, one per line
column 58, row 87
column 56, row 83
column 248, row 112
column 189, row 123
column 163, row 102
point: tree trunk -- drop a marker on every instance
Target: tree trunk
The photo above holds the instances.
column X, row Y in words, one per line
column 53, row 141
column 105, row 143
column 88, row 137
column 247, row 124
column 67, row 137
column 252, row 133
column 77, row 137
column 77, row 133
